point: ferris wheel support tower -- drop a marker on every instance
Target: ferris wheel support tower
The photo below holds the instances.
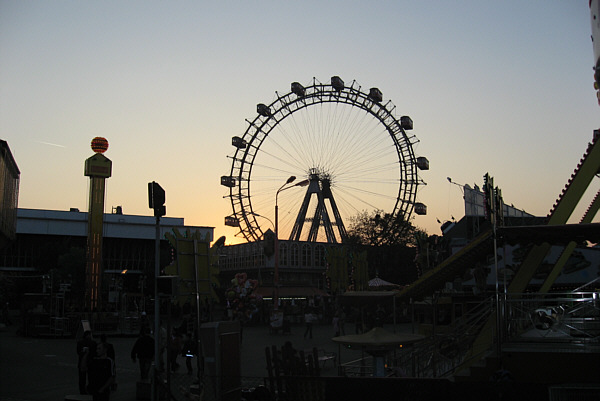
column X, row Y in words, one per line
column 321, row 187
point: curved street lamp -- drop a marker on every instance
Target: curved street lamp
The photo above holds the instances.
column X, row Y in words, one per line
column 276, row 273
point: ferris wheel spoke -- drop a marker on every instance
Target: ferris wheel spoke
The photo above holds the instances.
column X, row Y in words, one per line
column 281, row 164
column 355, row 191
column 363, row 168
column 355, row 204
column 294, row 147
column 374, row 162
column 361, row 148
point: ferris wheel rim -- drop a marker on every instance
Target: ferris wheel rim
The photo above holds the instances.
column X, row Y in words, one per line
column 284, row 106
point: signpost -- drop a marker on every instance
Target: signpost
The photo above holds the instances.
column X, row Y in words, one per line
column 156, row 201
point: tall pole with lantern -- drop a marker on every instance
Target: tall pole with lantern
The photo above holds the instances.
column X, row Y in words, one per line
column 98, row 168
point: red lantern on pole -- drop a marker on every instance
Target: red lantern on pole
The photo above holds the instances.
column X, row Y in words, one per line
column 99, row 144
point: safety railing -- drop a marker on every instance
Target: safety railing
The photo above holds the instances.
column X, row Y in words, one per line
column 567, row 318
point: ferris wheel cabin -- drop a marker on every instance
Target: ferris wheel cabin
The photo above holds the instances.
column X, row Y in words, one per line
column 238, row 142
column 298, row 89
column 263, row 110
column 228, row 181
column 232, row 221
column 337, row 83
column 406, row 123
column 375, row 95
column 422, row 163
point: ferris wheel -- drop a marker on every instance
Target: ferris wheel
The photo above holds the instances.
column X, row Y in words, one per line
column 344, row 145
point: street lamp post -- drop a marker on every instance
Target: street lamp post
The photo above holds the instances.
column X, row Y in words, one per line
column 276, row 273
column 264, row 217
column 273, row 224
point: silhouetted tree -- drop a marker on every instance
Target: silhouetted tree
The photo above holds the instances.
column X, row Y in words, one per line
column 380, row 228
column 390, row 242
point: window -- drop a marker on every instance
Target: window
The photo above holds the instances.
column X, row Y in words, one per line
column 294, row 256
column 319, row 256
column 306, row 255
column 283, row 253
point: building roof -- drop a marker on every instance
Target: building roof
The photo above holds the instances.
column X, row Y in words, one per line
column 74, row 223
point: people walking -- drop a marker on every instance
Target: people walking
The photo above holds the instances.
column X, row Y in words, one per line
column 101, row 374
column 189, row 350
column 174, row 350
column 86, row 351
column 110, row 349
column 110, row 352
column 309, row 319
column 336, row 325
column 290, row 359
column 143, row 349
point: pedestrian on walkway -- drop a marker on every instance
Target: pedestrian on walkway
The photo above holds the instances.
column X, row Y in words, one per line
column 189, row 350
column 110, row 349
column 309, row 319
column 101, row 374
column 86, row 351
column 336, row 325
column 110, row 352
column 145, row 321
column 175, row 345
column 143, row 349
column 289, row 358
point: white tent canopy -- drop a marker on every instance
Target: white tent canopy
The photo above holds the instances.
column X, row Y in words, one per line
column 377, row 283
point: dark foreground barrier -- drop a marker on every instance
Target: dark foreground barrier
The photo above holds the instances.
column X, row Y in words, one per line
column 402, row 389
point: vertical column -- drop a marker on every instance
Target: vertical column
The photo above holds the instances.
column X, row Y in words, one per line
column 98, row 168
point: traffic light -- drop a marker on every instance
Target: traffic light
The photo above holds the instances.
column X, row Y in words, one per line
column 489, row 198
column 156, row 199
column 499, row 204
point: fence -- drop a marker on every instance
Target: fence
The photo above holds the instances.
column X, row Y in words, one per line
column 564, row 319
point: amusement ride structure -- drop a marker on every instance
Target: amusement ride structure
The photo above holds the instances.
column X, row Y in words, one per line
column 346, row 145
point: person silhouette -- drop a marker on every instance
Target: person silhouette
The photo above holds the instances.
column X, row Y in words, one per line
column 101, row 374
column 86, row 351
column 110, row 352
column 143, row 349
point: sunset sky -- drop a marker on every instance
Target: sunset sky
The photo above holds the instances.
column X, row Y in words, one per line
column 504, row 87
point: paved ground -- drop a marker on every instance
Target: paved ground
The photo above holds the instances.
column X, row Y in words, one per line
column 33, row 369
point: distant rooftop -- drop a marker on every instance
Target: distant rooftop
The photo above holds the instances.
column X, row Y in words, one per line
column 74, row 223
